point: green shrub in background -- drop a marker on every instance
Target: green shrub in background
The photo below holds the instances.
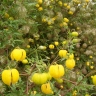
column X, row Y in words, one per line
column 51, row 32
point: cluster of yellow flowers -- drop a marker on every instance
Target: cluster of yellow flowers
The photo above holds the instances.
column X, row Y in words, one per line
column 38, row 5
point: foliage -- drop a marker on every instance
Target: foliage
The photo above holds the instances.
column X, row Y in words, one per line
column 51, row 32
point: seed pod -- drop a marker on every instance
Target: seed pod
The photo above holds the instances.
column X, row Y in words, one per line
column 84, row 45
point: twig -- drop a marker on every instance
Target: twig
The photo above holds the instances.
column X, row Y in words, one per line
column 80, row 81
column 54, row 59
column 70, row 81
column 27, row 85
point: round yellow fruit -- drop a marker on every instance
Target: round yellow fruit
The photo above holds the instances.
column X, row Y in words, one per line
column 10, row 76
column 70, row 63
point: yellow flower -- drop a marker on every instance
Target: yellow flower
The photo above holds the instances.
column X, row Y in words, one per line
column 61, row 24
column 54, row 18
column 34, row 92
column 71, row 56
column 77, row 58
column 92, row 62
column 60, row 3
column 61, row 86
column 87, row 95
column 87, row 63
column 46, row 88
column 65, row 24
column 51, row 46
column 70, row 63
column 74, row 93
column 63, row 53
column 94, row 79
column 91, row 67
column 66, row 20
column 90, row 56
column 52, row 0
column 64, row 42
column 87, row 1
column 25, row 61
column 68, row 7
column 6, row 15
column 39, row 1
column 49, row 23
column 37, row 5
column 70, row 12
column 10, row 76
column 56, row 43
column 28, row 46
column 78, row 28
column 40, row 8
column 65, row 4
column 18, row 54
column 11, row 18
column 44, row 20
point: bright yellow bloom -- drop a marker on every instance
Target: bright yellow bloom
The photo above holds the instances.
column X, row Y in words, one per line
column 91, row 67
column 74, row 93
column 88, row 63
column 66, row 20
column 62, row 53
column 90, row 56
column 65, row 24
column 37, row 5
column 87, row 1
column 28, row 46
column 70, row 12
column 25, row 61
column 68, row 7
column 64, row 42
column 40, row 8
column 60, row 3
column 51, row 46
column 65, row 4
column 40, row 1
column 11, row 18
column 56, row 43
column 6, row 15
